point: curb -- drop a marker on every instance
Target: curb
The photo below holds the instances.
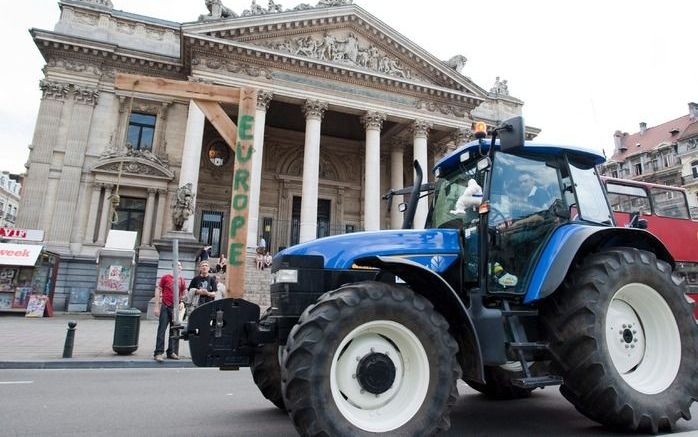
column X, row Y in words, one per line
column 95, row 364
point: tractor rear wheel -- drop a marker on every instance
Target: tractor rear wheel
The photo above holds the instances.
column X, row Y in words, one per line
column 625, row 341
column 370, row 358
column 266, row 370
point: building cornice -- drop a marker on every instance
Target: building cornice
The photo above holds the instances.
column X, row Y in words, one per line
column 349, row 14
column 263, row 53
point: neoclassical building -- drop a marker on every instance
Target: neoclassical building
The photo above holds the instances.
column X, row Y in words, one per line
column 345, row 104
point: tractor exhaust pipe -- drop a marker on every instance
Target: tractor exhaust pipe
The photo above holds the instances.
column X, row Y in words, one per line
column 408, row 221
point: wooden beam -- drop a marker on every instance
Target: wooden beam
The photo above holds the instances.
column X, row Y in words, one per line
column 220, row 120
column 176, row 88
column 240, row 194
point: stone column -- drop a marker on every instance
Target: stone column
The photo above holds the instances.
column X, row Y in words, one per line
column 92, row 217
column 314, row 111
column 396, row 182
column 191, row 158
column 32, row 205
column 263, row 101
column 373, row 121
column 148, row 219
column 160, row 216
column 420, row 130
column 105, row 220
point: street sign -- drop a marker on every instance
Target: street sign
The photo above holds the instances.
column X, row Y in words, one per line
column 21, row 234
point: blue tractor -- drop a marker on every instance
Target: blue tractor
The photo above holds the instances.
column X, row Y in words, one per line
column 520, row 280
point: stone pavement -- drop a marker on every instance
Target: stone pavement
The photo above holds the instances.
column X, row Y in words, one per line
column 38, row 343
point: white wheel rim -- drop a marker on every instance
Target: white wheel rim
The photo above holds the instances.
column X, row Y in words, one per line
column 396, row 406
column 643, row 338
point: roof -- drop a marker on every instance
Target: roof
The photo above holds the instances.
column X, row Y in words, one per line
column 652, row 138
column 453, row 160
column 690, row 131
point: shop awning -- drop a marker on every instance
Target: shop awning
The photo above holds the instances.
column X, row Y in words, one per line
column 19, row 254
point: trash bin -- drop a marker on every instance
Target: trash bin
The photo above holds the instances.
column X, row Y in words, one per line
column 126, row 330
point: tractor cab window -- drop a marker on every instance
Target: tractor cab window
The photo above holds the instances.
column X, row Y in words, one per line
column 458, row 196
column 592, row 204
column 525, row 198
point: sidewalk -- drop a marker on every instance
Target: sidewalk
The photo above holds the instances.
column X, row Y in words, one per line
column 27, row 343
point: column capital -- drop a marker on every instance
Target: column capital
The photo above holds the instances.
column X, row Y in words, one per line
column 54, row 90
column 86, row 95
column 420, row 128
column 97, row 186
column 373, row 120
column 314, row 109
column 462, row 135
column 152, row 191
column 264, row 99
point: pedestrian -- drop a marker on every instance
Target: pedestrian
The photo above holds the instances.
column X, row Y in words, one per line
column 267, row 259
column 262, row 245
column 204, row 254
column 204, row 285
column 222, row 264
column 164, row 311
column 259, row 259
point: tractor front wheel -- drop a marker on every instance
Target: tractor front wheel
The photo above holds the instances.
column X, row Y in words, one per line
column 625, row 341
column 370, row 358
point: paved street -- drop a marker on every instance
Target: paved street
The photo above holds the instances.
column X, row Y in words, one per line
column 208, row 402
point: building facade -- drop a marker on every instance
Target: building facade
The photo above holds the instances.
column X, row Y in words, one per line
column 665, row 154
column 9, row 199
column 345, row 104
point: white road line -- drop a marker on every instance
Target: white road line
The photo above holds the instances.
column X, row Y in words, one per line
column 16, row 382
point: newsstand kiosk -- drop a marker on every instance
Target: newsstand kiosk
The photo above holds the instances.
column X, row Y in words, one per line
column 116, row 265
column 27, row 273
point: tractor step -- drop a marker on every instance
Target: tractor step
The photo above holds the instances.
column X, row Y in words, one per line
column 537, row 381
column 520, row 313
column 528, row 346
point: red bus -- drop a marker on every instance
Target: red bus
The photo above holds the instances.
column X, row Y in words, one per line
column 666, row 213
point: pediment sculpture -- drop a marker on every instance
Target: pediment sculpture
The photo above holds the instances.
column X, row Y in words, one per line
column 127, row 160
column 346, row 50
column 218, row 11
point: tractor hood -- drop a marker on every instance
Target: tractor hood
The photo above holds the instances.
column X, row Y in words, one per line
column 436, row 249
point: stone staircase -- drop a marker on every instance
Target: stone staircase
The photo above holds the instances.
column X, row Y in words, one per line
column 257, row 283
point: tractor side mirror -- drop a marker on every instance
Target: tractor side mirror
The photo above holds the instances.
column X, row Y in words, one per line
column 511, row 134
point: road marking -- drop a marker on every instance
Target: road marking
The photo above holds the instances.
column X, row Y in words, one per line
column 16, row 382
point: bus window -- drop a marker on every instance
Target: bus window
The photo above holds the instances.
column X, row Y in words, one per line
column 624, row 198
column 669, row 203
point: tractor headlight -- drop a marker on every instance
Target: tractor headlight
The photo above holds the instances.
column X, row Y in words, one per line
column 285, row 276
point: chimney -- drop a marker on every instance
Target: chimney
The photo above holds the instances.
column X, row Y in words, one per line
column 693, row 110
column 643, row 127
column 618, row 141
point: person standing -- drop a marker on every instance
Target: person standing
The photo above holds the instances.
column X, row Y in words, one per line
column 204, row 285
column 262, row 245
column 204, row 254
column 164, row 310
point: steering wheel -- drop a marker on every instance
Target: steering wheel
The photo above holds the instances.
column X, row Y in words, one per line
column 495, row 214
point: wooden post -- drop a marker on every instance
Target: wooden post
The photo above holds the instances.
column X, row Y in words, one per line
column 240, row 138
column 240, row 194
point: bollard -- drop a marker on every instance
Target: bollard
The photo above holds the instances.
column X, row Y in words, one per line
column 69, row 340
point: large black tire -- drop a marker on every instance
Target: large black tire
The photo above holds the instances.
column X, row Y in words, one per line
column 266, row 370
column 391, row 320
column 498, row 384
column 612, row 302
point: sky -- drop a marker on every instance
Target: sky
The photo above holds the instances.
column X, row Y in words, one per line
column 583, row 69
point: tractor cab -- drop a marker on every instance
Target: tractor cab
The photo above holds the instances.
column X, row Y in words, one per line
column 517, row 196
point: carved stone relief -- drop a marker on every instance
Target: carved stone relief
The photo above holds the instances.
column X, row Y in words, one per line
column 54, row 90
column 500, row 87
column 344, row 49
column 61, row 90
column 74, row 66
column 442, row 108
column 232, row 66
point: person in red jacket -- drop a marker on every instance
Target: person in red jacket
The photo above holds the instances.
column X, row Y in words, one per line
column 164, row 302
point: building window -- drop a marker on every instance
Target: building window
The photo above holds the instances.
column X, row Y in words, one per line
column 141, row 130
column 614, row 173
column 654, row 165
column 694, row 168
column 130, row 214
column 638, row 168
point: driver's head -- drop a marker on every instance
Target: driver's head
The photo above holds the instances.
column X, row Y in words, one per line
column 526, row 182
